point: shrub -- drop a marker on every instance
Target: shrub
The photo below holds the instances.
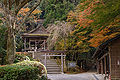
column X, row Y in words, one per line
column 37, row 64
column 44, row 78
column 21, row 57
column 19, row 72
column 25, row 70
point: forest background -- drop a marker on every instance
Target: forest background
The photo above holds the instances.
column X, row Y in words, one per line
column 93, row 22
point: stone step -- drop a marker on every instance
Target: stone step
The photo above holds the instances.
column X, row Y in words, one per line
column 50, row 63
column 49, row 60
column 54, row 72
column 52, row 66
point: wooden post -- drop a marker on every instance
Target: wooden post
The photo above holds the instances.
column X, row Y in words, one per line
column 33, row 54
column 45, row 60
column 35, row 46
column 48, row 55
column 44, row 44
column 98, row 67
column 25, row 44
column 101, row 67
column 29, row 44
column 62, row 63
column 81, row 64
column 110, row 61
column 65, row 67
column 105, row 65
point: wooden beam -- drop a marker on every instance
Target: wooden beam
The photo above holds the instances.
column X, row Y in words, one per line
column 51, row 51
column 37, row 40
column 103, row 56
column 54, row 55
column 99, row 50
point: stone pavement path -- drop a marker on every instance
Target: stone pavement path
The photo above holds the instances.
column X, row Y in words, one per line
column 81, row 76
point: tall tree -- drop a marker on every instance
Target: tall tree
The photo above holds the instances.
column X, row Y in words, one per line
column 55, row 10
column 3, row 37
column 9, row 10
column 95, row 22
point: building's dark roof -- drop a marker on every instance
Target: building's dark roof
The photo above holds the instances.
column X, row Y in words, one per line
column 100, row 48
column 39, row 31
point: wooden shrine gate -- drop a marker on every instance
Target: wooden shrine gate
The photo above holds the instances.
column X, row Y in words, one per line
column 51, row 53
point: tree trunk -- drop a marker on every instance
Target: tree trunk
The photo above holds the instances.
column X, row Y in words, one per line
column 11, row 47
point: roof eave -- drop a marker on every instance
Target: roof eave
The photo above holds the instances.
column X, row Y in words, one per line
column 105, row 43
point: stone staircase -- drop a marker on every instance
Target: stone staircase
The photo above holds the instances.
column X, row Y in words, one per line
column 52, row 66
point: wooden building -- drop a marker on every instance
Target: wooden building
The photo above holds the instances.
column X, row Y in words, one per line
column 35, row 40
column 107, row 57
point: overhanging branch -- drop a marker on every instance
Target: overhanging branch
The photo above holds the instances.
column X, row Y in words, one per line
column 21, row 4
column 30, row 11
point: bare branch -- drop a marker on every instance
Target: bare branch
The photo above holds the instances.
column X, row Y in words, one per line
column 10, row 4
column 5, row 3
column 58, row 31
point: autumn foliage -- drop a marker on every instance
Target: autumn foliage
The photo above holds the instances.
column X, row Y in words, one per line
column 23, row 12
column 95, row 21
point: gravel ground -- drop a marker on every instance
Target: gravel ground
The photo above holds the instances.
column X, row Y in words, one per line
column 82, row 76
